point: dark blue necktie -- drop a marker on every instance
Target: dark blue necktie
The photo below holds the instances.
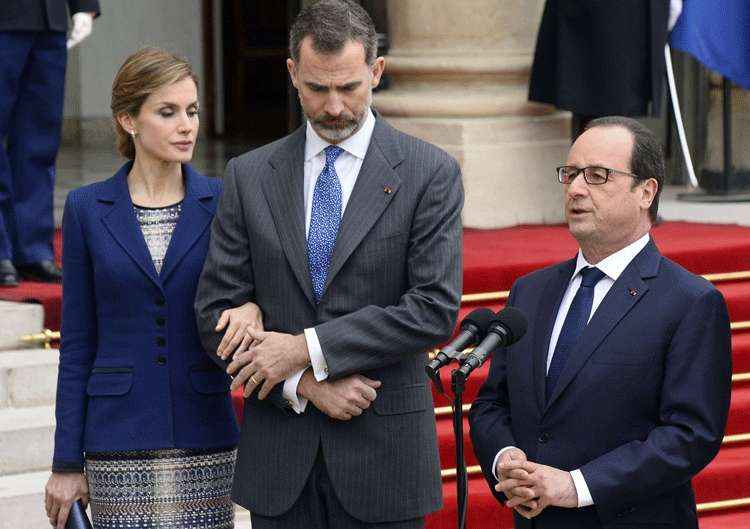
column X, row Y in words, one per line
column 324, row 221
column 575, row 322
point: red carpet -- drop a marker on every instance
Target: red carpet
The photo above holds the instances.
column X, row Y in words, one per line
column 739, row 410
column 492, row 261
column 741, row 352
column 49, row 295
column 723, row 519
column 727, row 476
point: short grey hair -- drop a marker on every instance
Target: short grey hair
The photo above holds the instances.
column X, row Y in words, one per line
column 331, row 24
column 646, row 157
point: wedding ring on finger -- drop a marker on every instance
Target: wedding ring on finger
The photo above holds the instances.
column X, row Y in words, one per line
column 256, row 382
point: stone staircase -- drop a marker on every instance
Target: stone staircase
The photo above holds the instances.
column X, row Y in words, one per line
column 28, row 381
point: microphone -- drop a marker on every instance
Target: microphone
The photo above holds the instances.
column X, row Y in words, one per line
column 473, row 328
column 507, row 328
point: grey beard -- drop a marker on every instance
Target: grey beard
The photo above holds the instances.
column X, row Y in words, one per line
column 337, row 135
column 334, row 134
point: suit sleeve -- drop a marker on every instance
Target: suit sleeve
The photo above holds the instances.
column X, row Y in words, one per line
column 78, row 343
column 227, row 279
column 489, row 418
column 84, row 6
column 693, row 414
column 426, row 313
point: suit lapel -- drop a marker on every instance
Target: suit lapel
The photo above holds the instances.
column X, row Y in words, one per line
column 624, row 294
column 122, row 224
column 194, row 219
column 545, row 321
column 284, row 191
column 377, row 184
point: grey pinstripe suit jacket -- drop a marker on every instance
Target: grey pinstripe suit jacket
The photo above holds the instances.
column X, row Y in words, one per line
column 392, row 292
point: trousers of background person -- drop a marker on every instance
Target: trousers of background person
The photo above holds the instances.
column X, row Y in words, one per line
column 32, row 83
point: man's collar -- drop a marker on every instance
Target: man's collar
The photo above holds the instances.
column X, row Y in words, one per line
column 356, row 144
column 614, row 265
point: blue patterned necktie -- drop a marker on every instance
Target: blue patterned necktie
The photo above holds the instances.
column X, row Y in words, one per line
column 575, row 322
column 324, row 221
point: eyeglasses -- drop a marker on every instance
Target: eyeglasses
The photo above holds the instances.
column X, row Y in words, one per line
column 593, row 175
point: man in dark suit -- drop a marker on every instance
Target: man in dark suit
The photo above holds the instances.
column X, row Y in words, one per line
column 347, row 234
column 32, row 81
column 619, row 393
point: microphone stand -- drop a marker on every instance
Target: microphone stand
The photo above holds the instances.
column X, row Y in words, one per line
column 458, row 381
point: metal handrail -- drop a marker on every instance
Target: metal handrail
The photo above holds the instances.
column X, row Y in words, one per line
column 46, row 337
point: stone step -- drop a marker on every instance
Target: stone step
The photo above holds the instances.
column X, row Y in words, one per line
column 28, row 377
column 26, row 439
column 19, row 319
column 22, row 503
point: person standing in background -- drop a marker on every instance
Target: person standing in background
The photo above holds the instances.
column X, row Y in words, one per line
column 598, row 58
column 33, row 57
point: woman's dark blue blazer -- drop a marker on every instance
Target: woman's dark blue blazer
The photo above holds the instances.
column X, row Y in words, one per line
column 133, row 374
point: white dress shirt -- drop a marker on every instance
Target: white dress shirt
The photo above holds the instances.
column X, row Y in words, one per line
column 612, row 266
column 347, row 167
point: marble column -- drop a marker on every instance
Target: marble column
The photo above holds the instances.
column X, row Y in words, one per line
column 459, row 72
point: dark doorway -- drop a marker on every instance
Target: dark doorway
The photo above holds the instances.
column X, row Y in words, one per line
column 248, row 96
column 260, row 103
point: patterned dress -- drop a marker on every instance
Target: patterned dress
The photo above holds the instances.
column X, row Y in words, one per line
column 157, row 225
column 168, row 488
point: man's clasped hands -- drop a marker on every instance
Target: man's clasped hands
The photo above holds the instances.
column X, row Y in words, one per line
column 531, row 487
column 262, row 359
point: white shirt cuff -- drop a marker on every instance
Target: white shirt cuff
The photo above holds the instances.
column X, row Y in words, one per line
column 584, row 495
column 289, row 392
column 497, row 458
column 318, row 361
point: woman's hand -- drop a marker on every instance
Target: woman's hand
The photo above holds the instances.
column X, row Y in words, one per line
column 236, row 321
column 62, row 490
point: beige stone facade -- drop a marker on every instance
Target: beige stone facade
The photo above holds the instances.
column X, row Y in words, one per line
column 459, row 75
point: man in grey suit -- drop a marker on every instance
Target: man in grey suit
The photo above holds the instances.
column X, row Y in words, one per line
column 347, row 234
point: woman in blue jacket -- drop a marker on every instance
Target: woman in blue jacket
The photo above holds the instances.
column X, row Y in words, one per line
column 140, row 406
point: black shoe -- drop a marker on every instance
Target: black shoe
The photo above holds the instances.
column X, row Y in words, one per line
column 44, row 271
column 8, row 274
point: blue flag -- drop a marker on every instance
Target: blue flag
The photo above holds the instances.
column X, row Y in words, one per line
column 717, row 33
